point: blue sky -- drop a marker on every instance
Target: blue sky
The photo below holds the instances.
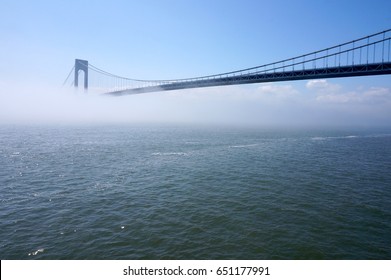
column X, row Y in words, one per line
column 176, row 39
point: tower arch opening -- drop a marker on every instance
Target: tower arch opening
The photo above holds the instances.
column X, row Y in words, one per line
column 81, row 65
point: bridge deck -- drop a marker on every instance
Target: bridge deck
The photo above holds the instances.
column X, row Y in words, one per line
column 264, row 77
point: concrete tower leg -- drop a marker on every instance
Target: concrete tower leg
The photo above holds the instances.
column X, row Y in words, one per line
column 81, row 65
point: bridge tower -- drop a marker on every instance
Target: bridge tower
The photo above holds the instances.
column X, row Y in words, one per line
column 81, row 65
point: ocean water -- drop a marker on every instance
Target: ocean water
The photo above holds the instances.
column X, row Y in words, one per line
column 177, row 192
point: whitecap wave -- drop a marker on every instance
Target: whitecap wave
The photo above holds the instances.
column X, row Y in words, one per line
column 243, row 146
column 170, row 154
column 320, row 138
column 36, row 252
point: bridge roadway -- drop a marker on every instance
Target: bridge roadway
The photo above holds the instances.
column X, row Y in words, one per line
column 264, row 77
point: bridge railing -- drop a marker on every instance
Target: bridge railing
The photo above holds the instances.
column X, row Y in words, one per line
column 372, row 49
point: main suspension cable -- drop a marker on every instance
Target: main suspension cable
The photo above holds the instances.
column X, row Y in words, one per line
column 73, row 68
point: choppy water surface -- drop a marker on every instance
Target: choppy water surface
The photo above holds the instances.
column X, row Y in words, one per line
column 136, row 192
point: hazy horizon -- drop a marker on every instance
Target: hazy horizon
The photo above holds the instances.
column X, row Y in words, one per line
column 301, row 104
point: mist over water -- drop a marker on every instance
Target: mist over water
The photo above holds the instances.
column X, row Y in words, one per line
column 264, row 105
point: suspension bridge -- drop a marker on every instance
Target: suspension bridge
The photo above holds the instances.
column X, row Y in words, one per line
column 370, row 55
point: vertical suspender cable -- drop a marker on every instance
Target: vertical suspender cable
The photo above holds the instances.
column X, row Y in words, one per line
column 382, row 55
column 367, row 50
